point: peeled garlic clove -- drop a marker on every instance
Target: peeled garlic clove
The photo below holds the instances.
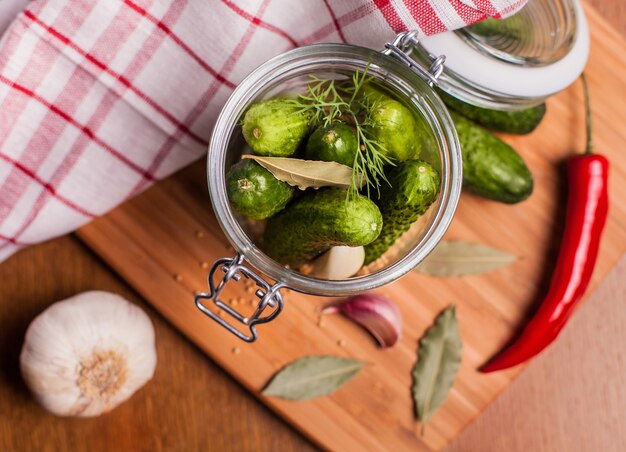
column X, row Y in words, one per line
column 85, row 355
column 376, row 313
column 339, row 262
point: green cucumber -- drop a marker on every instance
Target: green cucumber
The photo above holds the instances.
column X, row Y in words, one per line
column 334, row 143
column 318, row 221
column 255, row 192
column 396, row 127
column 491, row 168
column 275, row 127
column 414, row 186
column 519, row 122
column 375, row 92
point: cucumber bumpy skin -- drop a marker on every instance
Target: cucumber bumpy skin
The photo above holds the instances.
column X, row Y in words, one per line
column 275, row 127
column 394, row 127
column 414, row 186
column 491, row 168
column 334, row 143
column 520, row 122
column 318, row 221
column 255, row 192
column 401, row 132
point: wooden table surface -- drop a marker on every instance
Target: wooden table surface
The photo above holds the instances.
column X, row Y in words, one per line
column 569, row 399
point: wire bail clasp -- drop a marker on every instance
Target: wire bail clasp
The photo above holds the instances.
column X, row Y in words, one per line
column 401, row 48
column 269, row 296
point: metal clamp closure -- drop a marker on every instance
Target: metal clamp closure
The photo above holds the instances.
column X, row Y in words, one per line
column 269, row 295
column 401, row 48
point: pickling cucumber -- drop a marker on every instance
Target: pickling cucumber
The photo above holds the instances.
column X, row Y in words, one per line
column 491, row 168
column 334, row 143
column 394, row 127
column 318, row 221
column 519, row 122
column 413, row 187
column 255, row 192
column 275, row 127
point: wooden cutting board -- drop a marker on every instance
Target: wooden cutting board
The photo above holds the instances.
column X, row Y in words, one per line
column 162, row 242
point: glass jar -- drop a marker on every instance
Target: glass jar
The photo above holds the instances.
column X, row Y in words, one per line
column 288, row 72
column 408, row 69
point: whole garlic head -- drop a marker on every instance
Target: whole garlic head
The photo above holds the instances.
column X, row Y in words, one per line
column 85, row 355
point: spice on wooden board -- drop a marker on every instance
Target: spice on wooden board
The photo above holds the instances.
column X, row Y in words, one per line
column 312, row 376
column 85, row 355
column 587, row 209
column 376, row 313
column 439, row 357
column 459, row 258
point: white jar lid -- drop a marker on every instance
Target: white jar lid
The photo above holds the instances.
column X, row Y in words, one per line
column 509, row 79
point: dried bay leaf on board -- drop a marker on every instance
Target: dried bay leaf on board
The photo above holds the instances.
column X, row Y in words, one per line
column 306, row 173
column 438, row 360
column 312, row 376
column 458, row 258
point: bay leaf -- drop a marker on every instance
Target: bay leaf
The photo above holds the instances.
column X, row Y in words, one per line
column 312, row 376
column 438, row 360
column 458, row 258
column 306, row 173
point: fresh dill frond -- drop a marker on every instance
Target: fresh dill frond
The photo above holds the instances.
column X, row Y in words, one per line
column 327, row 102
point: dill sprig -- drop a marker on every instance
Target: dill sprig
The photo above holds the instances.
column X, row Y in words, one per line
column 326, row 102
column 373, row 156
column 323, row 101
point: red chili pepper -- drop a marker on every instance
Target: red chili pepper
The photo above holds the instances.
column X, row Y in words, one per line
column 587, row 208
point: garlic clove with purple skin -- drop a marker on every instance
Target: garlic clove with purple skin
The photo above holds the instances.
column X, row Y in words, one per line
column 85, row 355
column 376, row 313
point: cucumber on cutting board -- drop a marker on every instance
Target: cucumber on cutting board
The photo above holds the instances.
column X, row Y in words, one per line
column 519, row 122
column 318, row 221
column 491, row 168
column 413, row 187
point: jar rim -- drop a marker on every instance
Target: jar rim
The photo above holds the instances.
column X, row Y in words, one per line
column 486, row 81
column 395, row 74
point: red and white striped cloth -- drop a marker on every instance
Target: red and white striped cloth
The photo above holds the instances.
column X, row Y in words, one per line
column 100, row 98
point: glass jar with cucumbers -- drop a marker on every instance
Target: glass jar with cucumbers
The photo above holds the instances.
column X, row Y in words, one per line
column 335, row 169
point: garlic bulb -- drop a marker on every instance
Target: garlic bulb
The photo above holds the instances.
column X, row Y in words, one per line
column 85, row 355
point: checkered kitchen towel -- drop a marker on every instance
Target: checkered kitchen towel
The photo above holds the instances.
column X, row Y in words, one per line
column 100, row 98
